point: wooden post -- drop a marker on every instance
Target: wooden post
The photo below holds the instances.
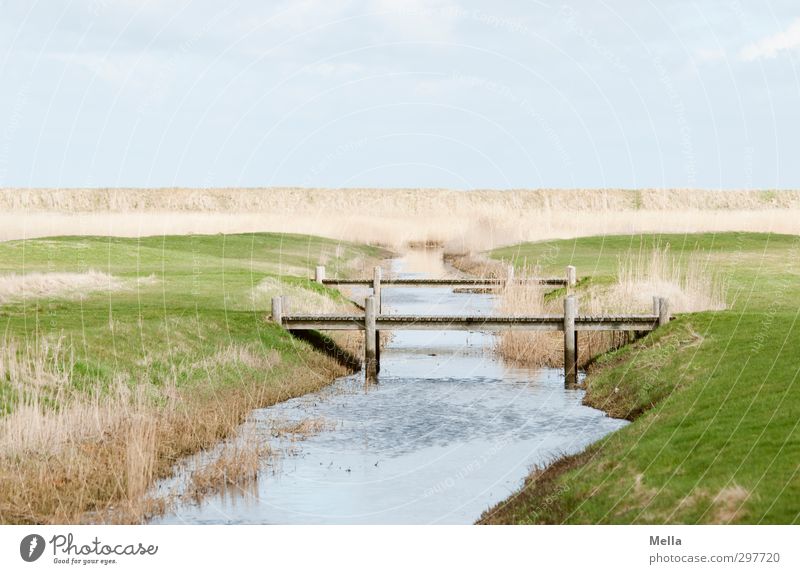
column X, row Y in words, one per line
column 376, row 288
column 510, row 275
column 376, row 292
column 285, row 307
column 572, row 277
column 319, row 273
column 277, row 315
column 656, row 305
column 370, row 358
column 570, row 342
column 663, row 311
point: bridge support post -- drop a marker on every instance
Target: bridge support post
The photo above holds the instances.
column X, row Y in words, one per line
column 370, row 340
column 319, row 273
column 376, row 292
column 656, row 305
column 572, row 277
column 285, row 305
column 277, row 315
column 663, row 311
column 510, row 276
column 570, row 342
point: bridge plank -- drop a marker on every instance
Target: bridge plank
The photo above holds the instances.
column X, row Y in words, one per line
column 446, row 282
column 473, row 323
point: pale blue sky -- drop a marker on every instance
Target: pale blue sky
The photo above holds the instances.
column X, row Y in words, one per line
column 384, row 93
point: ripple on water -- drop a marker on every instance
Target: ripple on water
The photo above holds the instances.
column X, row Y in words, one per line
column 448, row 431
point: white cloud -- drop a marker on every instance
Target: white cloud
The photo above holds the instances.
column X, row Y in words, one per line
column 336, row 69
column 300, row 16
column 117, row 69
column 416, row 19
column 710, row 54
column 771, row 46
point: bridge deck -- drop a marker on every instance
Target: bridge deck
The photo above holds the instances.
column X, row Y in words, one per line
column 472, row 323
column 372, row 322
column 458, row 282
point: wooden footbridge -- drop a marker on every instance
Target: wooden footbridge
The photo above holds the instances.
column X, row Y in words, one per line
column 373, row 321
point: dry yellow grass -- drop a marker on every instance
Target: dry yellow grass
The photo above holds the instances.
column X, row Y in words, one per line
column 462, row 221
column 376, row 201
column 298, row 430
column 247, row 355
column 34, row 285
column 689, row 285
column 236, row 465
column 301, row 300
column 69, row 456
column 529, row 348
column 478, row 265
column 15, row 287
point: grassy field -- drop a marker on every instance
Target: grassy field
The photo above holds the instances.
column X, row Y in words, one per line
column 714, row 397
column 119, row 356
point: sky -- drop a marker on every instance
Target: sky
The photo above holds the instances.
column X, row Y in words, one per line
column 389, row 93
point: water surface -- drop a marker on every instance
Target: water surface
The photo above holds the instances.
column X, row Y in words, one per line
column 449, row 430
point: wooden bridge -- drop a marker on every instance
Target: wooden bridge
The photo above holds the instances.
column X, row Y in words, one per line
column 569, row 279
column 373, row 321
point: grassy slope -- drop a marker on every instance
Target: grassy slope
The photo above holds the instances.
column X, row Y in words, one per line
column 195, row 303
column 715, row 398
column 197, row 293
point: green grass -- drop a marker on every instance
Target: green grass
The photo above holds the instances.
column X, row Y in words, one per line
column 715, row 397
column 190, row 351
column 207, row 271
column 197, row 300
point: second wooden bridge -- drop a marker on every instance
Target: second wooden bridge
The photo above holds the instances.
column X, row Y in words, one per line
column 373, row 321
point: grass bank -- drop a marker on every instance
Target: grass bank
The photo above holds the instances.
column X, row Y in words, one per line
column 714, row 397
column 120, row 356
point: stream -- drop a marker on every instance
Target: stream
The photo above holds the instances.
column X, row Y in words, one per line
column 449, row 430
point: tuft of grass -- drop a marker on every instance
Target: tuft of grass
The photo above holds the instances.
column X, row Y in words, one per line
column 541, row 496
column 299, row 430
column 628, row 397
column 236, row 465
column 690, row 282
column 478, row 265
column 36, row 285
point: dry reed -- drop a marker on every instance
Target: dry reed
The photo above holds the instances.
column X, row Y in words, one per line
column 235, row 465
column 462, row 221
column 34, row 285
column 69, row 456
column 528, row 348
column 298, row 430
column 690, row 285
column 15, row 287
column 478, row 265
column 301, row 300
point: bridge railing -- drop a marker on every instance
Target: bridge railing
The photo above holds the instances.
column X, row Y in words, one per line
column 568, row 280
column 372, row 321
column 334, row 322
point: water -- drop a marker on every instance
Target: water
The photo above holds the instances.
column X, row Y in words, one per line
column 449, row 430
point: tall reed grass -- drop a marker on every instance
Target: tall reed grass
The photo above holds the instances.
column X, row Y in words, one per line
column 690, row 285
column 70, row 455
column 462, row 221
